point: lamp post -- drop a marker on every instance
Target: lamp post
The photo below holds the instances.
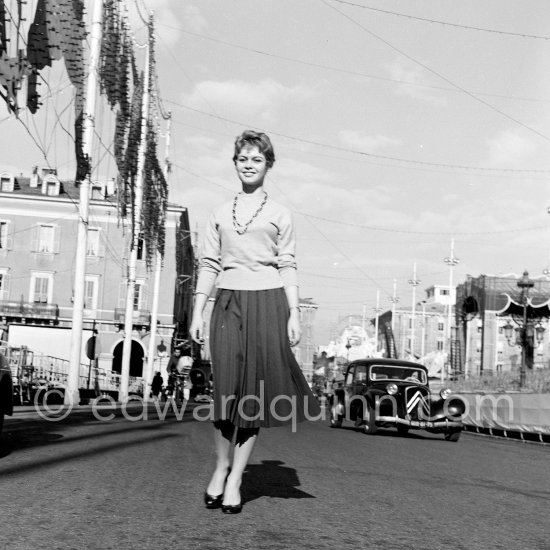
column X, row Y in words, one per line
column 451, row 261
column 394, row 299
column 348, row 346
column 377, row 310
column 526, row 333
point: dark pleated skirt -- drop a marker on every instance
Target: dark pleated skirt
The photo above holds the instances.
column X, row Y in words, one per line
column 257, row 380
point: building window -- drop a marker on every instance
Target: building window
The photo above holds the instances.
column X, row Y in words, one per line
column 140, row 248
column 93, row 242
column 444, row 292
column 479, row 329
column 410, row 322
column 410, row 343
column 440, row 326
column 439, row 345
column 90, row 292
column 45, row 238
column 500, row 330
column 41, row 288
column 5, row 237
column 139, row 296
column 50, row 185
column 6, row 183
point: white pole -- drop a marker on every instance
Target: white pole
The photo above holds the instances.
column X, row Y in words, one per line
column 423, row 337
column 71, row 392
column 132, row 260
column 414, row 282
column 377, row 310
column 394, row 300
column 451, row 261
column 148, row 374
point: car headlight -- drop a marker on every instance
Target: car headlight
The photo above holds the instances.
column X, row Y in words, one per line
column 391, row 388
column 445, row 392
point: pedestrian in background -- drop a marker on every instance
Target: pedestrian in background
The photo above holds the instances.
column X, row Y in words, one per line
column 156, row 385
column 248, row 253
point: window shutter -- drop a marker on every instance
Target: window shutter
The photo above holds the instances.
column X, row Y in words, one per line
column 6, row 286
column 100, row 244
column 9, row 240
column 143, row 296
column 35, row 232
column 56, row 238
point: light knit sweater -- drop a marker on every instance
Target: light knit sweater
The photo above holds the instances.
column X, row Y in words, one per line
column 260, row 259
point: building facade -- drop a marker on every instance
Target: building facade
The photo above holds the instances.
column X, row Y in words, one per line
column 38, row 229
column 421, row 333
column 481, row 319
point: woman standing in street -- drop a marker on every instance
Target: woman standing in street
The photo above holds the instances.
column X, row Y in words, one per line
column 249, row 255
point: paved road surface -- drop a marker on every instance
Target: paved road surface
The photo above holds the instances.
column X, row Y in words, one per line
column 83, row 483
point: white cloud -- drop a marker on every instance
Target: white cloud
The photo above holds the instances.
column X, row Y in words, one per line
column 359, row 140
column 193, row 19
column 414, row 74
column 510, row 148
column 240, row 97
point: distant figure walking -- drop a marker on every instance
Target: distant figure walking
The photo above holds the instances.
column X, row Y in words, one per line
column 156, row 385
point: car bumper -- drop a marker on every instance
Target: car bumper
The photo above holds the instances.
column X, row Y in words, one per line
column 443, row 424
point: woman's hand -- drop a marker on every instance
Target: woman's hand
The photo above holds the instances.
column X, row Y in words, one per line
column 293, row 327
column 196, row 330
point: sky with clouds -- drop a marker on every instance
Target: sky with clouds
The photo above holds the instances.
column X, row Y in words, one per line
column 398, row 125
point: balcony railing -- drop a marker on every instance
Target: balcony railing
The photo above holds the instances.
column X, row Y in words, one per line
column 28, row 310
column 139, row 316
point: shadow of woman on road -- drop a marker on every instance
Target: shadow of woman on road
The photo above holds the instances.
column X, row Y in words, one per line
column 271, row 479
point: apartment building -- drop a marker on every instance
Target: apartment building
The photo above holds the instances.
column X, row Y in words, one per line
column 38, row 238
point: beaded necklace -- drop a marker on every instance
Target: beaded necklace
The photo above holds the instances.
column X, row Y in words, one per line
column 240, row 228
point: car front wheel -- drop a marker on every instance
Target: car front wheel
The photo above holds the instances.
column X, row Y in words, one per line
column 402, row 429
column 369, row 427
column 453, row 436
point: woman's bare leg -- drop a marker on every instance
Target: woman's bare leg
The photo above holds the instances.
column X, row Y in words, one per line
column 244, row 445
column 223, row 437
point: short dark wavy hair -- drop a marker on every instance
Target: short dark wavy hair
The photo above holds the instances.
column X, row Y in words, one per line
column 258, row 139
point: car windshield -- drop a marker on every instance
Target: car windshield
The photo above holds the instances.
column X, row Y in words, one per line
column 390, row 372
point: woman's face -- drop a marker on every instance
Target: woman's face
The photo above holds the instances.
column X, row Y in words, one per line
column 251, row 166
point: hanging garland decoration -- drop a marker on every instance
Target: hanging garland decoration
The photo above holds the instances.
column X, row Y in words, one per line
column 58, row 31
column 155, row 188
column 127, row 179
column 13, row 63
column 117, row 72
column 155, row 200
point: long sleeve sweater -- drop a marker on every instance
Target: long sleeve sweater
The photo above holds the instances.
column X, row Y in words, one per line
column 261, row 258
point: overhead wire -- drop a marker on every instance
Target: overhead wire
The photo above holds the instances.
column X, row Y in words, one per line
column 346, row 71
column 445, row 23
column 436, row 73
column 468, row 168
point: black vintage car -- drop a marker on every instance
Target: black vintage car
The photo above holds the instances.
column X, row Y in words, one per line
column 392, row 393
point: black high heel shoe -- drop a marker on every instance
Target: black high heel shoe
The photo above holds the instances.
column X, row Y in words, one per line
column 212, row 502
column 232, row 508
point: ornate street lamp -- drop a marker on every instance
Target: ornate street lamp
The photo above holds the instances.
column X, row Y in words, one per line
column 527, row 333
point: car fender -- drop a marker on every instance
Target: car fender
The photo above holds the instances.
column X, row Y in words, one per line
column 6, row 395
